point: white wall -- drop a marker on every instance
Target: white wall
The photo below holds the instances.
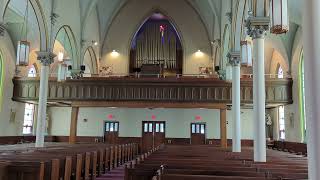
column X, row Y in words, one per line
column 126, row 23
column 177, row 121
column 9, row 127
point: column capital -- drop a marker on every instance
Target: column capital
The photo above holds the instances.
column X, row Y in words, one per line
column 234, row 58
column 2, row 28
column 257, row 26
column 45, row 57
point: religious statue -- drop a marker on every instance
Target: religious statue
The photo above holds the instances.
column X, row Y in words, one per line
column 269, row 129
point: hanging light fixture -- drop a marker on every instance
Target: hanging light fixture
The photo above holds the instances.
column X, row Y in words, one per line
column 279, row 16
column 246, row 53
column 23, row 48
column 228, row 72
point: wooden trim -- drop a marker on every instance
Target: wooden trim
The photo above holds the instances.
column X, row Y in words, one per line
column 73, row 125
column 223, row 128
column 144, row 104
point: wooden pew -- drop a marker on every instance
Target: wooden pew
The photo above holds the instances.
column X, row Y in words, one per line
column 55, row 163
column 195, row 162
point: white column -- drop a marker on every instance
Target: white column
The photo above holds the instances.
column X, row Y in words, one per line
column 257, row 27
column 311, row 43
column 259, row 101
column 46, row 59
column 236, row 136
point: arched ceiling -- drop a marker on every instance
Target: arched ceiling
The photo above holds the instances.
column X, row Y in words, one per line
column 208, row 10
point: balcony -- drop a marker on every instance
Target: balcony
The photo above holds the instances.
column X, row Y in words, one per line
column 148, row 91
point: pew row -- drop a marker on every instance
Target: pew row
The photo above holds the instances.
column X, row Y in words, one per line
column 79, row 162
column 207, row 162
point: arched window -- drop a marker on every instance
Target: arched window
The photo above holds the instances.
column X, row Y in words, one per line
column 32, row 71
column 280, row 72
column 302, row 105
column 282, row 124
column 29, row 108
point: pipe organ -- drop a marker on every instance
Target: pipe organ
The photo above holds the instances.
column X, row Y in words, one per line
column 156, row 43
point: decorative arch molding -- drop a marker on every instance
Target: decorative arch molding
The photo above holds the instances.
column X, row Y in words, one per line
column 278, row 60
column 238, row 25
column 226, row 45
column 128, row 19
column 93, row 60
column 73, row 43
column 272, row 43
column 41, row 20
column 296, row 53
column 148, row 15
column 216, row 45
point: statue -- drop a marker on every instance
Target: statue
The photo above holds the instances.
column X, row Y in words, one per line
column 269, row 129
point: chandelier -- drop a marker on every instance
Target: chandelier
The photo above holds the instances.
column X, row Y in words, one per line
column 246, row 53
column 23, row 47
column 279, row 16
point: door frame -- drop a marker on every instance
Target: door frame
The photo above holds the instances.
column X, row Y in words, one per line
column 104, row 128
column 153, row 130
column 205, row 131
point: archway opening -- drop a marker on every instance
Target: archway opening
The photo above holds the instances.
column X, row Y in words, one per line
column 90, row 62
column 156, row 47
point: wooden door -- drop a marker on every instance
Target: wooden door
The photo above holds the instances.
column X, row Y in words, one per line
column 111, row 133
column 159, row 133
column 153, row 134
column 198, row 133
column 147, row 135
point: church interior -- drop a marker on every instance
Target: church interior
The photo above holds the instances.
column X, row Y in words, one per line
column 159, row 89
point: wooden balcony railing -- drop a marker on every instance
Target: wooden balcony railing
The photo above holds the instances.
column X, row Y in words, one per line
column 167, row 90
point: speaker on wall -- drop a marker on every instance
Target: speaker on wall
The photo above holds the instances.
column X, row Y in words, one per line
column 217, row 68
column 82, row 67
column 69, row 67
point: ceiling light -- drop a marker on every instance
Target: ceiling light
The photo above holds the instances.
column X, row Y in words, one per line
column 199, row 53
column 114, row 53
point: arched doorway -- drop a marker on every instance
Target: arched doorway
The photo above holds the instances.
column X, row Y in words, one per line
column 156, row 48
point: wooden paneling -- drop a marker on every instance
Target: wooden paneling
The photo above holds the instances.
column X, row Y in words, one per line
column 184, row 90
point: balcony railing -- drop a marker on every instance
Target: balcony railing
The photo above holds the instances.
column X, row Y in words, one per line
column 178, row 89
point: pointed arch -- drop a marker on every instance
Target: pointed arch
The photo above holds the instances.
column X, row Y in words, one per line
column 165, row 49
column 69, row 44
column 169, row 18
column 41, row 21
column 92, row 63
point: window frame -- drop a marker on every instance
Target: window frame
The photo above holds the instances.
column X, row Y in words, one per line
column 302, row 107
column 29, row 108
column 282, row 122
column 115, row 126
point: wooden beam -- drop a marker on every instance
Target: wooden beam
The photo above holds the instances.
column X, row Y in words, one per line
column 73, row 125
column 223, row 128
column 145, row 104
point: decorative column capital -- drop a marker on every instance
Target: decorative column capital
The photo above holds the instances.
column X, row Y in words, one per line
column 2, row 29
column 257, row 26
column 45, row 57
column 229, row 16
column 234, row 58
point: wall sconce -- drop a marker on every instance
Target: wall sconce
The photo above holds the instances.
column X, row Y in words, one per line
column 60, row 56
column 114, row 53
column 95, row 43
column 199, row 53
